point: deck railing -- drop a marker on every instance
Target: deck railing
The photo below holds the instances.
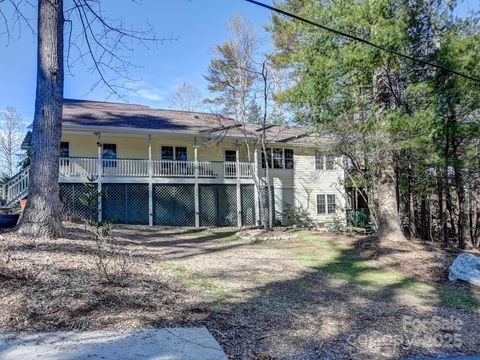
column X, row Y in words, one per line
column 74, row 166
column 17, row 187
column 125, row 167
column 84, row 167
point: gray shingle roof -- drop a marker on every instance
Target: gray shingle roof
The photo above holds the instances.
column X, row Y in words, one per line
column 108, row 114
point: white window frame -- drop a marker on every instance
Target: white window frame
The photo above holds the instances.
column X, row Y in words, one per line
column 225, row 154
column 271, row 158
column 327, row 202
column 174, row 152
column 323, row 161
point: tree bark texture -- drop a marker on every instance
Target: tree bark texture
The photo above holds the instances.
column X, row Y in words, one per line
column 389, row 227
column 412, row 230
column 42, row 217
column 389, row 221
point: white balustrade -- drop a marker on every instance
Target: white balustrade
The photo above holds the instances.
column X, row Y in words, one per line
column 125, row 167
column 173, row 168
column 76, row 166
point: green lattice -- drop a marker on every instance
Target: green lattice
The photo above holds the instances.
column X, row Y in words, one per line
column 208, row 205
column 218, row 205
column 174, row 205
column 265, row 204
column 248, row 205
column 125, row 203
column 79, row 201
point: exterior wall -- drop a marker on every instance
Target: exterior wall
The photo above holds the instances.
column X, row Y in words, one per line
column 137, row 148
column 299, row 187
column 296, row 187
column 308, row 182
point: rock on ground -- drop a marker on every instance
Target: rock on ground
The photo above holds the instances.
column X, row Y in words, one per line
column 466, row 267
column 167, row 343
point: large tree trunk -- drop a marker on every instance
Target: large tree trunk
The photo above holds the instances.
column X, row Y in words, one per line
column 464, row 238
column 442, row 211
column 389, row 220
column 389, row 227
column 412, row 229
column 477, row 199
column 42, row 215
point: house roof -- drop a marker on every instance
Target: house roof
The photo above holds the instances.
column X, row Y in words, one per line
column 84, row 113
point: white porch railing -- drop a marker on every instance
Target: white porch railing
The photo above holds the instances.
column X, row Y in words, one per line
column 172, row 168
column 17, row 187
column 74, row 166
column 224, row 169
column 125, row 167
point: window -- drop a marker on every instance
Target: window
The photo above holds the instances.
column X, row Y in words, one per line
column 269, row 158
column 178, row 153
column 289, row 164
column 167, row 153
column 329, row 162
column 326, row 204
column 332, row 209
column 319, row 164
column 181, row 153
column 278, row 158
column 324, row 162
column 321, row 206
column 64, row 149
column 109, row 152
column 230, row 155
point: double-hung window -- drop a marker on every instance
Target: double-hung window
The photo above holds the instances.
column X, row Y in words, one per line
column 64, row 153
column 64, row 149
column 289, row 163
column 268, row 160
column 324, row 162
column 326, row 204
column 278, row 158
column 109, row 155
column 230, row 155
column 178, row 153
column 181, row 153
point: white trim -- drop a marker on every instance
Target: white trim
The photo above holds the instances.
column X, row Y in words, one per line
column 155, row 180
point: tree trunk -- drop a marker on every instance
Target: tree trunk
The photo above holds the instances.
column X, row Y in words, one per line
column 442, row 212
column 412, row 230
column 42, row 215
column 477, row 199
column 389, row 221
column 453, row 215
column 464, row 239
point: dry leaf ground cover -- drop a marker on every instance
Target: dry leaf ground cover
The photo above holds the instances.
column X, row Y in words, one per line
column 305, row 296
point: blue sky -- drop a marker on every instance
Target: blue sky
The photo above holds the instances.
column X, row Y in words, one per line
column 198, row 24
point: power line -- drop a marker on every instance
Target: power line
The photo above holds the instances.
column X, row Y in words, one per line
column 356, row 38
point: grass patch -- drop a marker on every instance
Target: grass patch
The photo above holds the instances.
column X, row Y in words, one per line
column 197, row 281
column 337, row 259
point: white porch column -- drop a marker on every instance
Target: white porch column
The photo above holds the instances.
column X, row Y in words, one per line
column 239, row 191
column 99, row 179
column 197, row 193
column 150, row 185
column 255, row 173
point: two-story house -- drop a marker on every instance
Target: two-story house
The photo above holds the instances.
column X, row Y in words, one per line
column 175, row 168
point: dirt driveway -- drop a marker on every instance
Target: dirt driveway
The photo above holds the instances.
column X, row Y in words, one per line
column 310, row 297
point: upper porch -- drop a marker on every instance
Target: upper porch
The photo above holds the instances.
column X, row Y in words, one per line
column 112, row 156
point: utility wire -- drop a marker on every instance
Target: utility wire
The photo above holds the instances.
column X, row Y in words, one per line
column 356, row 38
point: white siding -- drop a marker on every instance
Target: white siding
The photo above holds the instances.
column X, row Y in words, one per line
column 300, row 186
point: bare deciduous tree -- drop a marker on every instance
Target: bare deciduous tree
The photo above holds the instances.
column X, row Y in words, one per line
column 243, row 81
column 187, row 97
column 11, row 136
column 97, row 41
